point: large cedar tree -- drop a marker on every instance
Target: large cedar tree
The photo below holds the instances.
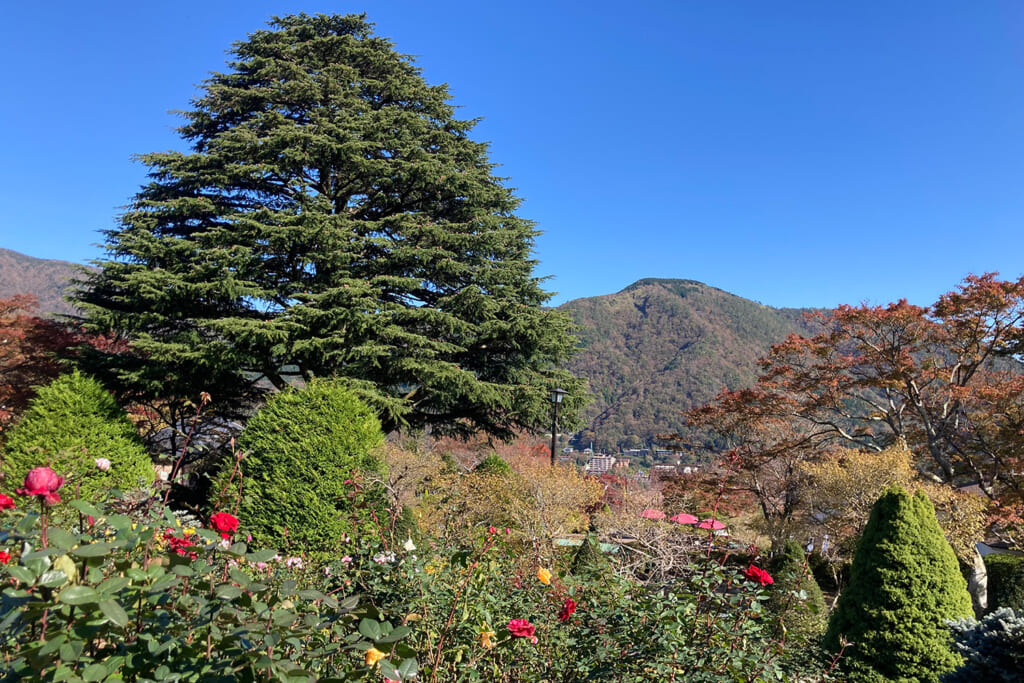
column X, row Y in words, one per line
column 333, row 218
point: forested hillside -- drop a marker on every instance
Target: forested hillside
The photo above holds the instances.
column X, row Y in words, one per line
column 649, row 352
column 45, row 279
column 662, row 346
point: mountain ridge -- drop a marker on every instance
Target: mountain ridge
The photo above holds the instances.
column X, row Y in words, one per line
column 650, row 351
column 45, row 279
column 661, row 346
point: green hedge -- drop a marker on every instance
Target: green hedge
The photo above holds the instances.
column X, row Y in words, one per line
column 1005, row 581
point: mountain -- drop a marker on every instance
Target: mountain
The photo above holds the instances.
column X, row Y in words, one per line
column 650, row 352
column 660, row 347
column 45, row 279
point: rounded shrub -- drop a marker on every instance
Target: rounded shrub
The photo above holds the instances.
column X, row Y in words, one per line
column 1005, row 581
column 70, row 424
column 299, row 476
column 905, row 584
column 493, row 464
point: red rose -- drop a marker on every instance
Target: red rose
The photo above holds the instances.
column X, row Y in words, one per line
column 521, row 628
column 42, row 482
column 6, row 502
column 225, row 523
column 567, row 609
column 180, row 544
column 759, row 575
column 5, row 557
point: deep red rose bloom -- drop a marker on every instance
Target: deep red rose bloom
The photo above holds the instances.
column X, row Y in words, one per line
column 6, row 502
column 224, row 523
column 759, row 575
column 42, row 482
column 5, row 557
column 567, row 609
column 180, row 544
column 521, row 628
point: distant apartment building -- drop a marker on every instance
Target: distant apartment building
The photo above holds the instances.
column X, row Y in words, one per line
column 600, row 464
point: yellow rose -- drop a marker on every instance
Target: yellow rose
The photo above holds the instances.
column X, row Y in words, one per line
column 373, row 655
column 485, row 639
column 544, row 576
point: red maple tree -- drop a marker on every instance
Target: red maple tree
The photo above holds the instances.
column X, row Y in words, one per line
column 942, row 378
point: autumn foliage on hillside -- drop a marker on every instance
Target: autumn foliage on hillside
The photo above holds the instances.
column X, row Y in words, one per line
column 30, row 351
column 942, row 379
column 27, row 345
column 660, row 347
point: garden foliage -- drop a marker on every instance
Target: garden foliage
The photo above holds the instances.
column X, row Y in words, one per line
column 1005, row 581
column 493, row 609
column 795, row 584
column 993, row 648
column 905, row 584
column 69, row 425
column 301, row 465
column 146, row 599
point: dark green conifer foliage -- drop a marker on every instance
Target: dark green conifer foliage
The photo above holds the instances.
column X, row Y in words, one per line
column 803, row 619
column 68, row 425
column 333, row 218
column 588, row 558
column 299, row 450
column 904, row 585
column 1005, row 581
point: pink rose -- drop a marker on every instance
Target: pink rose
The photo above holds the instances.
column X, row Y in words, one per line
column 102, row 464
column 521, row 628
column 42, row 482
column 6, row 502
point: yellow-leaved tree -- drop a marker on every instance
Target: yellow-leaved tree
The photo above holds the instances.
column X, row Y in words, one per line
column 839, row 491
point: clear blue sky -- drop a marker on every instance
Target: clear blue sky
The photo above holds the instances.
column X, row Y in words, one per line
column 796, row 153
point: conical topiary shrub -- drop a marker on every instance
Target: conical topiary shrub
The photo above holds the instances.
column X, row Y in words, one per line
column 300, row 481
column 904, row 585
column 70, row 424
column 588, row 558
column 797, row 598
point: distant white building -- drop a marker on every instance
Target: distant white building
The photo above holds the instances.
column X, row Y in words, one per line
column 600, row 464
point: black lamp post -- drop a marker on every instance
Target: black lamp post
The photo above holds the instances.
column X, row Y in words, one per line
column 556, row 398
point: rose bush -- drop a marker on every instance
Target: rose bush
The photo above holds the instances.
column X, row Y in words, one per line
column 112, row 599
